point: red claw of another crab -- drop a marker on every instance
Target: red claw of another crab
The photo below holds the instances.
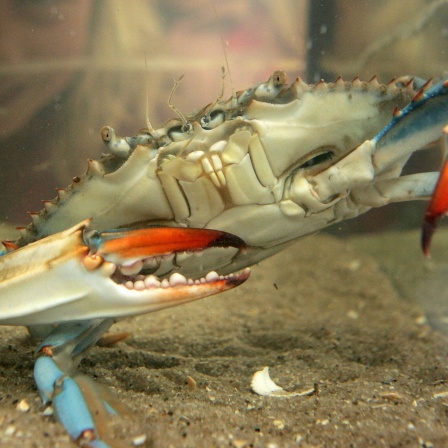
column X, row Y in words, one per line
column 438, row 206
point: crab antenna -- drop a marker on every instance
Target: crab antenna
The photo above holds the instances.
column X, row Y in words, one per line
column 178, row 112
column 221, row 35
column 212, row 105
column 151, row 130
column 223, row 78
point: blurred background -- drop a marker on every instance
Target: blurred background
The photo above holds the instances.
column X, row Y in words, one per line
column 68, row 67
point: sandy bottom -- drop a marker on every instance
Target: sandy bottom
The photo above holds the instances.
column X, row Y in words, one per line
column 362, row 318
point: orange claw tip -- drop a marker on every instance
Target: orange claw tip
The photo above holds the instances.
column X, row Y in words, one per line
column 155, row 241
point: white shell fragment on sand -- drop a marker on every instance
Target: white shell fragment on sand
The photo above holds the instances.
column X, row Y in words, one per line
column 139, row 440
column 23, row 406
column 262, row 384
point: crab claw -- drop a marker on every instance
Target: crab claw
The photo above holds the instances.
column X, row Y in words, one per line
column 83, row 281
column 80, row 275
column 438, row 206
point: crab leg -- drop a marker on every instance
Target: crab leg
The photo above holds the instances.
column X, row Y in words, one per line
column 79, row 404
column 414, row 127
column 97, row 277
column 371, row 171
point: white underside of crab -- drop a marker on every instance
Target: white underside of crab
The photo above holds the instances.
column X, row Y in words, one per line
column 276, row 163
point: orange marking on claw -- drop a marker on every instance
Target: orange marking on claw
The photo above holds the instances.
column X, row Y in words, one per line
column 161, row 240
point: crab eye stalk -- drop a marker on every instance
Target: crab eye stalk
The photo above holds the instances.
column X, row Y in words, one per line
column 180, row 132
column 212, row 120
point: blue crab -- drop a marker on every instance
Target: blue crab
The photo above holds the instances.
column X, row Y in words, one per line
column 271, row 164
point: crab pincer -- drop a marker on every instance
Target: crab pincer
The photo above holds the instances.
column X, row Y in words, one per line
column 109, row 274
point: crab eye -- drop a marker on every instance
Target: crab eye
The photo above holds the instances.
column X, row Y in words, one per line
column 181, row 132
column 318, row 159
column 187, row 128
column 213, row 119
column 205, row 121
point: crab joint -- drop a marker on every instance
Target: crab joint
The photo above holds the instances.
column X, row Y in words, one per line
column 92, row 262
